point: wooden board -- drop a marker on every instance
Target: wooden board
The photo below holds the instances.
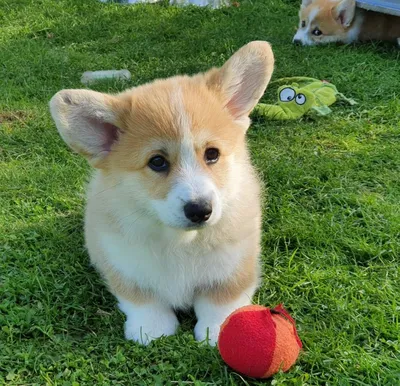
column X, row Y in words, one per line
column 391, row 7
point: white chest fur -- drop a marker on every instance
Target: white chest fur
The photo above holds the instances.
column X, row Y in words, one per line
column 172, row 269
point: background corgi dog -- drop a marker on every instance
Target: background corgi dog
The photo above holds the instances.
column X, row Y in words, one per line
column 340, row 21
column 173, row 210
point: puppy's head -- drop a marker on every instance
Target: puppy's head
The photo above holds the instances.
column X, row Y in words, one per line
column 173, row 145
column 325, row 21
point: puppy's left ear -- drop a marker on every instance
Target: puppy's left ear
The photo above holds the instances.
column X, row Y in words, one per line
column 88, row 122
column 344, row 11
column 242, row 80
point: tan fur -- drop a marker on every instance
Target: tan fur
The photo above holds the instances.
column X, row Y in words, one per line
column 127, row 290
column 379, row 26
column 325, row 19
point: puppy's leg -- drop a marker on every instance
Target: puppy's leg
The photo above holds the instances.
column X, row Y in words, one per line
column 148, row 321
column 211, row 313
column 398, row 42
column 212, row 306
column 147, row 318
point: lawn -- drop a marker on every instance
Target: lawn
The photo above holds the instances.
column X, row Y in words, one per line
column 331, row 213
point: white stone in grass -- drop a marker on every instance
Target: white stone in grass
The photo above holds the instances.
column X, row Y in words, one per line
column 130, row 1
column 92, row 76
column 202, row 3
column 199, row 3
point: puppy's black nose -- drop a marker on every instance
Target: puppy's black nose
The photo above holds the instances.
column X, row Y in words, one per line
column 198, row 211
column 297, row 42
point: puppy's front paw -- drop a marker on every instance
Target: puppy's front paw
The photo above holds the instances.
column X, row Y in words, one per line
column 207, row 332
column 144, row 332
column 148, row 322
column 210, row 315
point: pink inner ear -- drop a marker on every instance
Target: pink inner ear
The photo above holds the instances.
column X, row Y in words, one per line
column 247, row 91
column 341, row 17
column 111, row 135
column 233, row 108
column 103, row 134
column 238, row 106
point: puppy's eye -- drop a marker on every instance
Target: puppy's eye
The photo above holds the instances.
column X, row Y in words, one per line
column 211, row 155
column 158, row 164
column 316, row 32
column 303, row 24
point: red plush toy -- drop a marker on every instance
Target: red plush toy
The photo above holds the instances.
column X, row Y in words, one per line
column 258, row 341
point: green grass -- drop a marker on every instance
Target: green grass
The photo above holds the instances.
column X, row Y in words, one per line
column 332, row 218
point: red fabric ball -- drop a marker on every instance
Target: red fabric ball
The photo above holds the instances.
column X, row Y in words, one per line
column 258, row 342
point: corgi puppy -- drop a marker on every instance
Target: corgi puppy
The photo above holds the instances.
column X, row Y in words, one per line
column 173, row 215
column 340, row 21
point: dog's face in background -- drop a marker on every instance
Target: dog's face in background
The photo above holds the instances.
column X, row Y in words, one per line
column 172, row 148
column 325, row 21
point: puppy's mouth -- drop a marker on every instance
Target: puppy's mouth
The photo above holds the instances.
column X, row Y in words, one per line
column 191, row 227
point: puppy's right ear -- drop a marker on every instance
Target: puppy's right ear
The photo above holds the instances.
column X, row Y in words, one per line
column 242, row 80
column 87, row 121
column 306, row 3
column 343, row 12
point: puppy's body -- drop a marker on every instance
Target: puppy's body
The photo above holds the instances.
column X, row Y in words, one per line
column 340, row 21
column 155, row 255
column 378, row 26
column 172, row 266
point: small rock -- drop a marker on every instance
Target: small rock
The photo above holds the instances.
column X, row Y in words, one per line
column 92, row 76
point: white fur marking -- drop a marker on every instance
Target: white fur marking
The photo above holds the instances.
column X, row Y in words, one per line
column 191, row 183
column 302, row 36
column 172, row 265
column 312, row 15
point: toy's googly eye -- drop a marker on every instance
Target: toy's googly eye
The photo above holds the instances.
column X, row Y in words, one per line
column 300, row 99
column 287, row 94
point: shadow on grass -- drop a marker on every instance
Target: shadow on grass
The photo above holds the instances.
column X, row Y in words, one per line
column 52, row 288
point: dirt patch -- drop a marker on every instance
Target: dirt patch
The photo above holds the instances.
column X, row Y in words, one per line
column 12, row 116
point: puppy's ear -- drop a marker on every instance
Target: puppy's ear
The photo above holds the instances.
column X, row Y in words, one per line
column 343, row 12
column 242, row 80
column 87, row 121
column 306, row 3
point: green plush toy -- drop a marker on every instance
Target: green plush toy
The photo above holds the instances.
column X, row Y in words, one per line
column 304, row 96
